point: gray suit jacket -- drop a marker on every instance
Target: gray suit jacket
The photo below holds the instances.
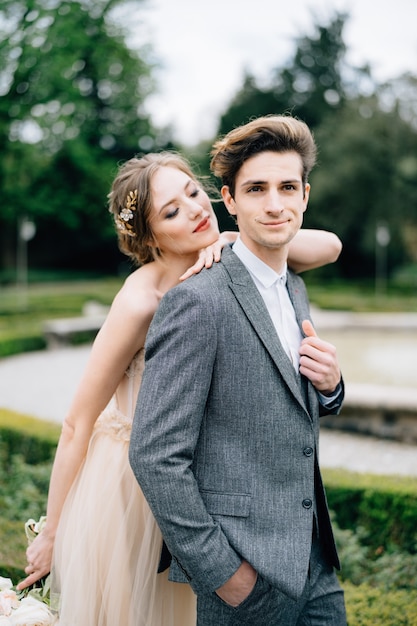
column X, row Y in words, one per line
column 225, row 437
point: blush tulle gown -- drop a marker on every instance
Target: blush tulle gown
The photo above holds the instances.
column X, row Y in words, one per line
column 108, row 544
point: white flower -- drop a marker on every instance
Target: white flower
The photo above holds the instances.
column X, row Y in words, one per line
column 33, row 528
column 8, row 601
column 31, row 612
column 5, row 583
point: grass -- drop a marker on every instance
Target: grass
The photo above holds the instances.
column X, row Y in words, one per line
column 360, row 297
column 22, row 314
column 57, row 298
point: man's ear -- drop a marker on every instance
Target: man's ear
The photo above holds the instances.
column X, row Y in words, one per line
column 306, row 196
column 228, row 200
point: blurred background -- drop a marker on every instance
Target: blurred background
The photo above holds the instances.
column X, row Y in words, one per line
column 86, row 84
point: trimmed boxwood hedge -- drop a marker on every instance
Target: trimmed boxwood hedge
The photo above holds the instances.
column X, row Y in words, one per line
column 385, row 507
column 13, row 544
column 18, row 345
column 370, row 606
column 34, row 439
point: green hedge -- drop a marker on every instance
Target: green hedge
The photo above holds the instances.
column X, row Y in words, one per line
column 13, row 544
column 370, row 606
column 18, row 345
column 34, row 439
column 27, row 447
column 375, row 523
column 383, row 507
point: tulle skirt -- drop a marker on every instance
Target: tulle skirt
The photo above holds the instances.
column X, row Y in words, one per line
column 108, row 547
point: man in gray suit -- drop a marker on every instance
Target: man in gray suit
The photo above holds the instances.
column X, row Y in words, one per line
column 225, row 438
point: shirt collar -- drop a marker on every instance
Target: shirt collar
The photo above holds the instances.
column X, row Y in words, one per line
column 260, row 270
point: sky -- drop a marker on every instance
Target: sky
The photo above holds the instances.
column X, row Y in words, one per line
column 204, row 47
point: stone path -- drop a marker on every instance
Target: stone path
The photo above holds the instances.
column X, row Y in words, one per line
column 42, row 384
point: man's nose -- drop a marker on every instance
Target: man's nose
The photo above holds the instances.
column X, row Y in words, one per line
column 274, row 202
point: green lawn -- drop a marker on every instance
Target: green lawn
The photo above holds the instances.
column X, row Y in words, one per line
column 22, row 315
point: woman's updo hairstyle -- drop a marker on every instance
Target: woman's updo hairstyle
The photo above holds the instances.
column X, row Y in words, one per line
column 130, row 202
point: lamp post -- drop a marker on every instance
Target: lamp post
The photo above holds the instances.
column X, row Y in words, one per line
column 26, row 230
column 382, row 239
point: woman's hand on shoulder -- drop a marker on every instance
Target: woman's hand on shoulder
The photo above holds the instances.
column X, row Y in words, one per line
column 211, row 254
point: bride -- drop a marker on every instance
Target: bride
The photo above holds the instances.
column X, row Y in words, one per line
column 100, row 541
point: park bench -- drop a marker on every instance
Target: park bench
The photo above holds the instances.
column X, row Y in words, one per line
column 62, row 332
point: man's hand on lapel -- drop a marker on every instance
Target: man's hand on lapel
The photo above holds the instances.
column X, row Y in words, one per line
column 318, row 361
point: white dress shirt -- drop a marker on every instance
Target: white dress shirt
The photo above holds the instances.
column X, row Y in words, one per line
column 273, row 289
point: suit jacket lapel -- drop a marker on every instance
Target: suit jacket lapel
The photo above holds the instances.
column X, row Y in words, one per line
column 248, row 296
column 299, row 299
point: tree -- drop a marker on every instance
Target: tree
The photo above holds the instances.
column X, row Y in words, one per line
column 366, row 176
column 71, row 108
column 367, row 140
column 310, row 86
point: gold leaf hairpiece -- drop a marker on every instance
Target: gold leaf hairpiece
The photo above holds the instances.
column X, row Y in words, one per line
column 126, row 214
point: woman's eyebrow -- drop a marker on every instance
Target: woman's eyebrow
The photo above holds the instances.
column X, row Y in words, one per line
column 190, row 181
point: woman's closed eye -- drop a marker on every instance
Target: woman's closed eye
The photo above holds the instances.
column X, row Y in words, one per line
column 172, row 213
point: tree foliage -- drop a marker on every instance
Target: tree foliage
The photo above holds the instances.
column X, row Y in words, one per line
column 362, row 181
column 367, row 138
column 71, row 108
column 310, row 86
column 72, row 96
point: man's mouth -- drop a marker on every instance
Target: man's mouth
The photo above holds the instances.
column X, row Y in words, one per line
column 272, row 222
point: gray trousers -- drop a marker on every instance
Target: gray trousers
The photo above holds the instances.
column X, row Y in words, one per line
column 321, row 603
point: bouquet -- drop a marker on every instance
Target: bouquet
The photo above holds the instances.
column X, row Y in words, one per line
column 29, row 607
column 26, row 611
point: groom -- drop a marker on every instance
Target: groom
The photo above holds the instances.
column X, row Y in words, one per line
column 225, row 437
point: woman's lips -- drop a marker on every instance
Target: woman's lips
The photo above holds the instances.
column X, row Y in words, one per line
column 203, row 225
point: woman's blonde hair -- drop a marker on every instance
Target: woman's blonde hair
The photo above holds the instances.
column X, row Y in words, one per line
column 130, row 202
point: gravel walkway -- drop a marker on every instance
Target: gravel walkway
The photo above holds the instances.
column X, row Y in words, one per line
column 42, row 384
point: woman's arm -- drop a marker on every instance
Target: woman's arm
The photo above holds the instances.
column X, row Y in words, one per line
column 313, row 248
column 121, row 336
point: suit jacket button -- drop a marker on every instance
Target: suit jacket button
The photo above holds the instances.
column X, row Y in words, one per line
column 308, row 451
column 307, row 503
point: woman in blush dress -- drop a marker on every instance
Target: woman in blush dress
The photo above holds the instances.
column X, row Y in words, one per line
column 101, row 542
